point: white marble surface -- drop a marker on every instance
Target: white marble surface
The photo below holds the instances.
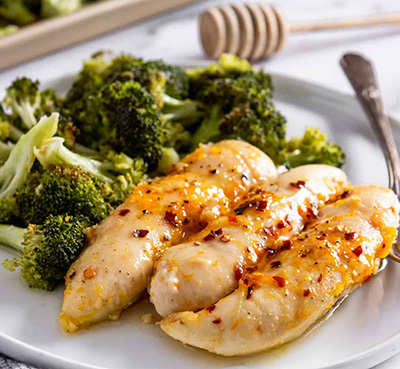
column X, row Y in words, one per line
column 174, row 37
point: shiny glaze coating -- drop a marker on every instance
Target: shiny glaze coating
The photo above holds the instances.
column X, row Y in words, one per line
column 198, row 273
column 117, row 263
column 274, row 305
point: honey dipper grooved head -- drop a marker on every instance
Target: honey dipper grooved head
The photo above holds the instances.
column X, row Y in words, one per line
column 251, row 31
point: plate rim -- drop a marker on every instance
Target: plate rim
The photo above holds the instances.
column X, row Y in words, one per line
column 32, row 355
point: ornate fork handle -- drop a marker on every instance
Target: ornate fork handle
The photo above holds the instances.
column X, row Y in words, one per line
column 361, row 75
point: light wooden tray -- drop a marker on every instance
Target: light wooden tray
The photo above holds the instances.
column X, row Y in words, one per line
column 56, row 33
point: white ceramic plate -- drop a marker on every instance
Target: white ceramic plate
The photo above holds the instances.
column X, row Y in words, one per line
column 364, row 331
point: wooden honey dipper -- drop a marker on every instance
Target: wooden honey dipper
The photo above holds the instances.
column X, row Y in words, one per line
column 255, row 31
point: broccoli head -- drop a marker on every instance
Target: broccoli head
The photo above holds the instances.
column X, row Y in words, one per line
column 59, row 190
column 117, row 170
column 47, row 250
column 312, row 148
column 262, row 126
column 28, row 104
column 137, row 120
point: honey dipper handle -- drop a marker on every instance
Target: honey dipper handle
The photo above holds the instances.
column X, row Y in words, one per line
column 376, row 20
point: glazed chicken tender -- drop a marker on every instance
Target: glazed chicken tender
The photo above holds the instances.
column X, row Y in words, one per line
column 297, row 286
column 198, row 273
column 117, row 263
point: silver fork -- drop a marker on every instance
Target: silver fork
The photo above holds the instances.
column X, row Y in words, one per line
column 360, row 73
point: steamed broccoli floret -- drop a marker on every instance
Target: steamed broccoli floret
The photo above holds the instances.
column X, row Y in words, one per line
column 54, row 8
column 136, row 118
column 62, row 190
column 156, row 76
column 47, row 250
column 119, row 171
column 28, row 104
column 240, row 106
column 15, row 170
column 16, row 11
column 125, row 104
column 141, row 130
column 262, row 126
column 312, row 148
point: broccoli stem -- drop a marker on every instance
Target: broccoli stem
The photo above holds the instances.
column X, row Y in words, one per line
column 209, row 128
column 180, row 109
column 12, row 237
column 26, row 111
column 18, row 165
column 53, row 152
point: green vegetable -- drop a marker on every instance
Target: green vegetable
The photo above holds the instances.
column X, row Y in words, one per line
column 312, row 148
column 28, row 104
column 47, row 250
column 62, row 190
column 239, row 105
column 15, row 170
column 119, row 171
column 126, row 104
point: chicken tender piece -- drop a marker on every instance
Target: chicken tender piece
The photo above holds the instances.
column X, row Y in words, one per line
column 296, row 287
column 198, row 273
column 116, row 266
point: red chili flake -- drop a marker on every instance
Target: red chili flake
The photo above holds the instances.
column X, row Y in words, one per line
column 238, row 270
column 349, row 236
column 319, row 278
column 232, row 219
column 271, row 232
column 281, row 224
column 281, row 281
column 186, row 221
column 368, row 279
column 246, row 281
column 210, row 308
column 301, row 255
column 123, row 212
column 320, row 238
column 251, row 269
column 306, row 292
column 284, row 223
column 276, row 264
column 171, row 218
column 298, row 184
column 140, row 233
column 357, row 251
column 261, row 205
column 219, row 232
column 249, row 292
column 211, row 236
column 286, row 245
column 217, row 321
column 344, row 194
